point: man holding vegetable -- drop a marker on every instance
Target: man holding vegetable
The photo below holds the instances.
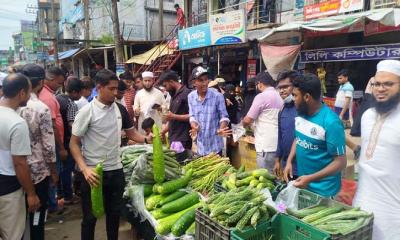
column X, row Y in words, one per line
column 97, row 131
column 208, row 116
column 320, row 144
column 379, row 180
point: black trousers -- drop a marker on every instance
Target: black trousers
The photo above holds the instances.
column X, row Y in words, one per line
column 113, row 188
column 37, row 225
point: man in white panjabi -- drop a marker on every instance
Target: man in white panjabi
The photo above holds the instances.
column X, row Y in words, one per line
column 379, row 179
column 149, row 102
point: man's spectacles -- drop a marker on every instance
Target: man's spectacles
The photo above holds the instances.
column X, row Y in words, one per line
column 385, row 85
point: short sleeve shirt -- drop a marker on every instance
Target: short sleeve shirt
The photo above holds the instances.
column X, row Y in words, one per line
column 179, row 131
column 265, row 113
column 100, row 127
column 14, row 141
column 320, row 138
column 345, row 91
column 48, row 98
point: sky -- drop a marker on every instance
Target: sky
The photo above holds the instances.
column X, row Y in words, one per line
column 11, row 12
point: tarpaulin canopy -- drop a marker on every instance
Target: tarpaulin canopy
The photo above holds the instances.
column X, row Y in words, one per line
column 65, row 54
column 386, row 16
column 151, row 55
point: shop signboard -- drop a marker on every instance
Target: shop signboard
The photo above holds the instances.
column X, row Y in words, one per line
column 251, row 68
column 228, row 28
column 355, row 53
column 119, row 69
column 195, row 37
column 332, row 7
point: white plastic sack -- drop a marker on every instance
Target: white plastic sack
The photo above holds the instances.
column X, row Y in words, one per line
column 288, row 198
column 237, row 131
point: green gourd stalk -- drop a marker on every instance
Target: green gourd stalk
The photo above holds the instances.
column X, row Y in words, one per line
column 96, row 193
column 158, row 155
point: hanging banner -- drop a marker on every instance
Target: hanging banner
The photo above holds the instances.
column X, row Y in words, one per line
column 332, row 7
column 279, row 58
column 357, row 53
column 251, row 68
column 228, row 28
column 195, row 37
column 373, row 28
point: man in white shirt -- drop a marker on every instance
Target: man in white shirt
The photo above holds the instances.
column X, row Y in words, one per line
column 149, row 102
column 379, row 180
column 344, row 96
column 14, row 170
column 97, row 133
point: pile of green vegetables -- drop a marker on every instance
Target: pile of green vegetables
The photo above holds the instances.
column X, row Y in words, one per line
column 334, row 219
column 172, row 207
column 238, row 208
column 160, row 164
column 206, row 171
column 259, row 178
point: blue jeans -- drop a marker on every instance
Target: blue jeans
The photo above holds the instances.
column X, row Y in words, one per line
column 68, row 167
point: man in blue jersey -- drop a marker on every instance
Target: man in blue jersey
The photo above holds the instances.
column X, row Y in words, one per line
column 320, row 144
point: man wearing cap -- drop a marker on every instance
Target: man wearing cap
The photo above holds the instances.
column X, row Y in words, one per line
column 149, row 101
column 379, row 180
column 264, row 114
column 208, row 117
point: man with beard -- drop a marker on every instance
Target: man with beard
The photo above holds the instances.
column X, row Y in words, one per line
column 320, row 144
column 149, row 101
column 379, row 180
column 14, row 170
column 177, row 118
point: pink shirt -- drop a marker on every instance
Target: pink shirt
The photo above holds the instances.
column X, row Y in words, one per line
column 265, row 113
column 48, row 98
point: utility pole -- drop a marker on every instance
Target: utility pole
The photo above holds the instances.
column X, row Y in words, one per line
column 161, row 15
column 87, row 21
column 55, row 31
column 117, row 36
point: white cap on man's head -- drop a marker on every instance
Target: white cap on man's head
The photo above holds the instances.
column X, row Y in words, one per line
column 147, row 74
column 391, row 66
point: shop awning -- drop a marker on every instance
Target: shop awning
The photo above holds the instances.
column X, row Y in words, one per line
column 151, row 55
column 386, row 16
column 65, row 54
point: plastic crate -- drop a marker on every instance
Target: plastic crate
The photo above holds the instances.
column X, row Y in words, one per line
column 308, row 199
column 218, row 187
column 208, row 229
column 285, row 227
column 259, row 233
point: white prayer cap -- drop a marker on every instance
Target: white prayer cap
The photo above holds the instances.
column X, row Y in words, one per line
column 147, row 74
column 391, row 66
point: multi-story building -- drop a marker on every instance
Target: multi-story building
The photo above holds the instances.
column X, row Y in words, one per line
column 26, row 42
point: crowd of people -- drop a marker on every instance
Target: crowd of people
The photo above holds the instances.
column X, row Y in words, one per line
column 56, row 128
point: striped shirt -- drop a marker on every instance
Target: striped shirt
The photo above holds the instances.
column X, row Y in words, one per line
column 208, row 114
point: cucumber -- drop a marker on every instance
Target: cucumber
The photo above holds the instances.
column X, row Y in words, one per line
column 244, row 182
column 183, row 223
column 96, row 193
column 147, row 190
column 254, row 183
column 181, row 203
column 153, row 200
column 304, row 212
column 243, row 175
column 158, row 214
column 192, row 229
column 264, row 173
column 326, row 212
column 165, row 224
column 171, row 197
column 174, row 185
column 158, row 155
column 262, row 185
